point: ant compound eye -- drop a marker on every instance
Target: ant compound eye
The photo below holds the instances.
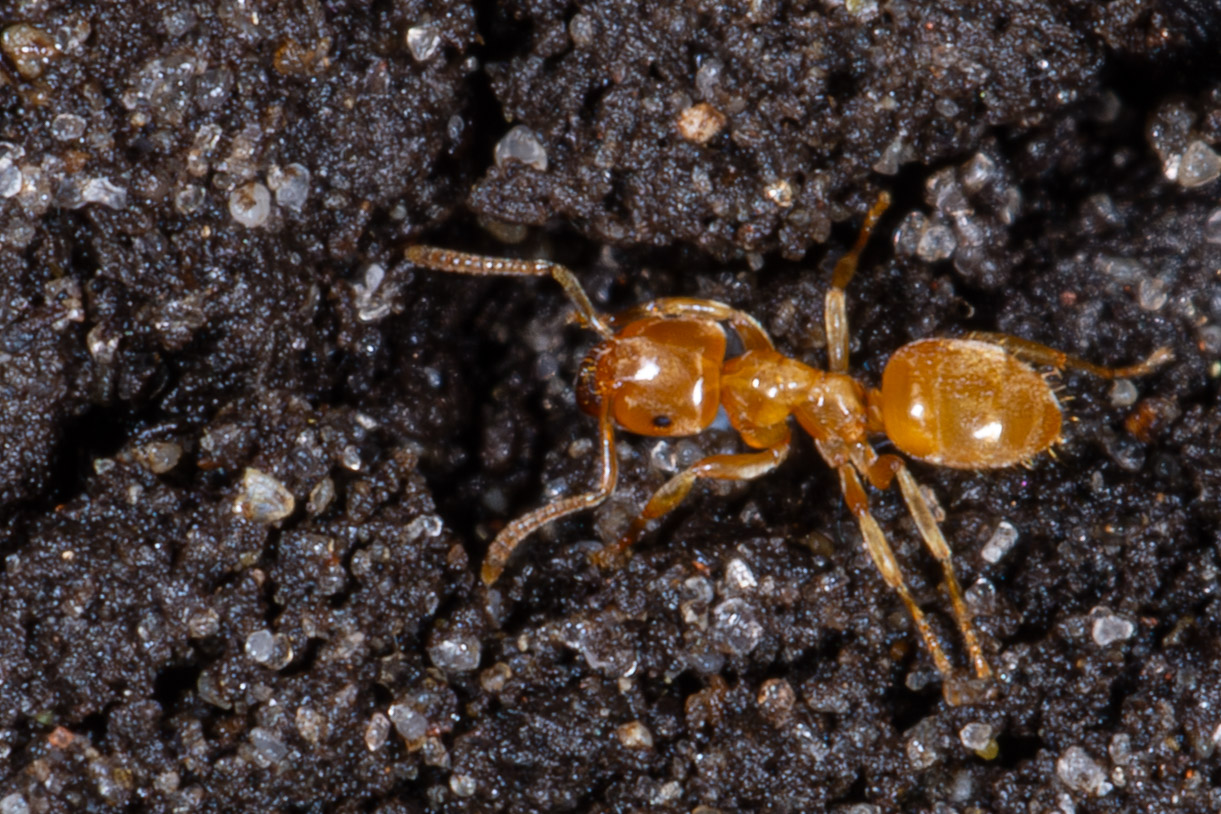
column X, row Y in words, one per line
column 661, row 421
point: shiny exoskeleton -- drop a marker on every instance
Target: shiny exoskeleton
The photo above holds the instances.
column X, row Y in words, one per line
column 660, row 370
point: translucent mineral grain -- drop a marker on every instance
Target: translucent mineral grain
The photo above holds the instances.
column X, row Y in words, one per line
column 1081, row 772
column 1199, row 165
column 700, row 123
column 936, row 243
column 262, row 498
column 376, row 731
column 454, row 651
column 1212, row 226
column 102, row 191
column 635, row 735
column 423, row 41
column 291, row 186
column 462, row 785
column 1109, row 628
column 1000, row 542
column 269, row 649
column 521, row 145
column 67, row 127
column 250, row 204
column 28, row 48
column 975, row 735
column 736, row 626
column 409, row 723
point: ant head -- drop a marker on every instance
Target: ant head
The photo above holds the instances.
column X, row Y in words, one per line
column 662, row 376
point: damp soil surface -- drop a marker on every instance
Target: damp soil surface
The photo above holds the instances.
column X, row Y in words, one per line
column 253, row 458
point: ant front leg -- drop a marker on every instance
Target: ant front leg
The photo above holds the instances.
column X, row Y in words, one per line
column 1040, row 354
column 747, row 327
column 743, row 466
column 512, row 534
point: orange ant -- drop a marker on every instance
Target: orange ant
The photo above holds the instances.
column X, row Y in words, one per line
column 660, row 370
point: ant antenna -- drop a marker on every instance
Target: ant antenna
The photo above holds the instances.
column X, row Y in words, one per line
column 463, row 263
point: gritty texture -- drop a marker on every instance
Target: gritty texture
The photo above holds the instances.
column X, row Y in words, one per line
column 252, row 458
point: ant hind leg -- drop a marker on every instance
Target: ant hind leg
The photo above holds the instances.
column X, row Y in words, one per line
column 884, row 558
column 1040, row 354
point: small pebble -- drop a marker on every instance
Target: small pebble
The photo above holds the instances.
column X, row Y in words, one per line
column 978, row 738
column 1000, row 542
column 462, row 785
column 978, row 172
column 700, row 123
column 310, row 724
column 891, row 158
column 11, row 180
column 1151, row 293
column 291, row 185
column 1123, row 393
column 423, row 41
column 67, row 127
column 776, row 700
column 936, row 243
column 269, row 649
column 28, row 48
column 409, row 723
column 921, row 755
column 250, row 204
column 635, row 735
column 739, row 578
column 377, row 732
column 262, row 498
column 457, row 652
column 1212, row 226
column 14, row 804
column 203, row 624
column 581, row 30
column 1200, row 165
column 1081, row 773
column 100, row 190
column 521, row 145
column 159, row 457
column 1109, row 628
column 736, row 626
column 269, row 747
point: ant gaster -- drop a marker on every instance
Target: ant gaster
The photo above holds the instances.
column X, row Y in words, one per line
column 660, row 370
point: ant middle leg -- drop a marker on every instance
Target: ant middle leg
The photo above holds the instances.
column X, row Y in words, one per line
column 741, row 466
column 835, row 312
column 1040, row 354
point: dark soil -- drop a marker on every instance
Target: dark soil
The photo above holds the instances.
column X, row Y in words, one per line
column 253, row 458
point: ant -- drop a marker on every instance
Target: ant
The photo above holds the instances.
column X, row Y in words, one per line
column 660, row 370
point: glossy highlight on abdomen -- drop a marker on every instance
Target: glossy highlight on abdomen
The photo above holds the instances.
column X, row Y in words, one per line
column 967, row 404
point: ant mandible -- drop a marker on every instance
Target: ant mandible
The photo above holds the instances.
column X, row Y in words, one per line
column 660, row 370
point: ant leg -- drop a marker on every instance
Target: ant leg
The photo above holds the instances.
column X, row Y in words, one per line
column 1040, row 354
column 512, row 534
column 747, row 327
column 835, row 313
column 742, row 466
column 884, row 558
column 430, row 257
column 880, row 473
